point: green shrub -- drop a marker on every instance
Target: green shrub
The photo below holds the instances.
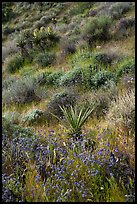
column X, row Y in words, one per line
column 64, row 98
column 102, row 78
column 7, row 11
column 80, row 8
column 97, row 29
column 125, row 67
column 117, row 9
column 49, row 78
column 45, row 40
column 71, row 78
column 103, row 58
column 67, row 47
column 7, row 30
column 8, row 81
column 54, row 78
column 32, row 116
column 44, row 59
column 21, row 91
column 41, row 78
column 14, row 63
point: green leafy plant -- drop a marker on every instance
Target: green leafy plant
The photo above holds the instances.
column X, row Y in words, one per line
column 75, row 119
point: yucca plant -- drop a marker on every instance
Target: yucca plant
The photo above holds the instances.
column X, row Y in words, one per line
column 75, row 119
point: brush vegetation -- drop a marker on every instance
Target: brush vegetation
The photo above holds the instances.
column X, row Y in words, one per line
column 68, row 101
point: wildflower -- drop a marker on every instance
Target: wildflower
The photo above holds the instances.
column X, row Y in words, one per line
column 98, row 47
column 36, row 32
column 51, row 131
column 101, row 188
column 111, row 174
column 100, row 152
column 49, row 30
column 116, row 150
column 64, row 144
column 94, row 173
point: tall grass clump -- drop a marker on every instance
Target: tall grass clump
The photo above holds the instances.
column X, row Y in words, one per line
column 120, row 116
column 82, row 58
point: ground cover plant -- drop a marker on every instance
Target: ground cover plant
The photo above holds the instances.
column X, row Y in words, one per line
column 68, row 102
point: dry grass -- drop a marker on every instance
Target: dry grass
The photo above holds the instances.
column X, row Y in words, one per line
column 122, row 112
column 124, row 47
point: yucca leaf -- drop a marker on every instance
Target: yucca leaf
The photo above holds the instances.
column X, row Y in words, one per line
column 75, row 119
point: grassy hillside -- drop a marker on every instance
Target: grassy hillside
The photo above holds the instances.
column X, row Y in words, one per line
column 68, row 101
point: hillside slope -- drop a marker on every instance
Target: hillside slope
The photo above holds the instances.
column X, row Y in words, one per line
column 79, row 56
